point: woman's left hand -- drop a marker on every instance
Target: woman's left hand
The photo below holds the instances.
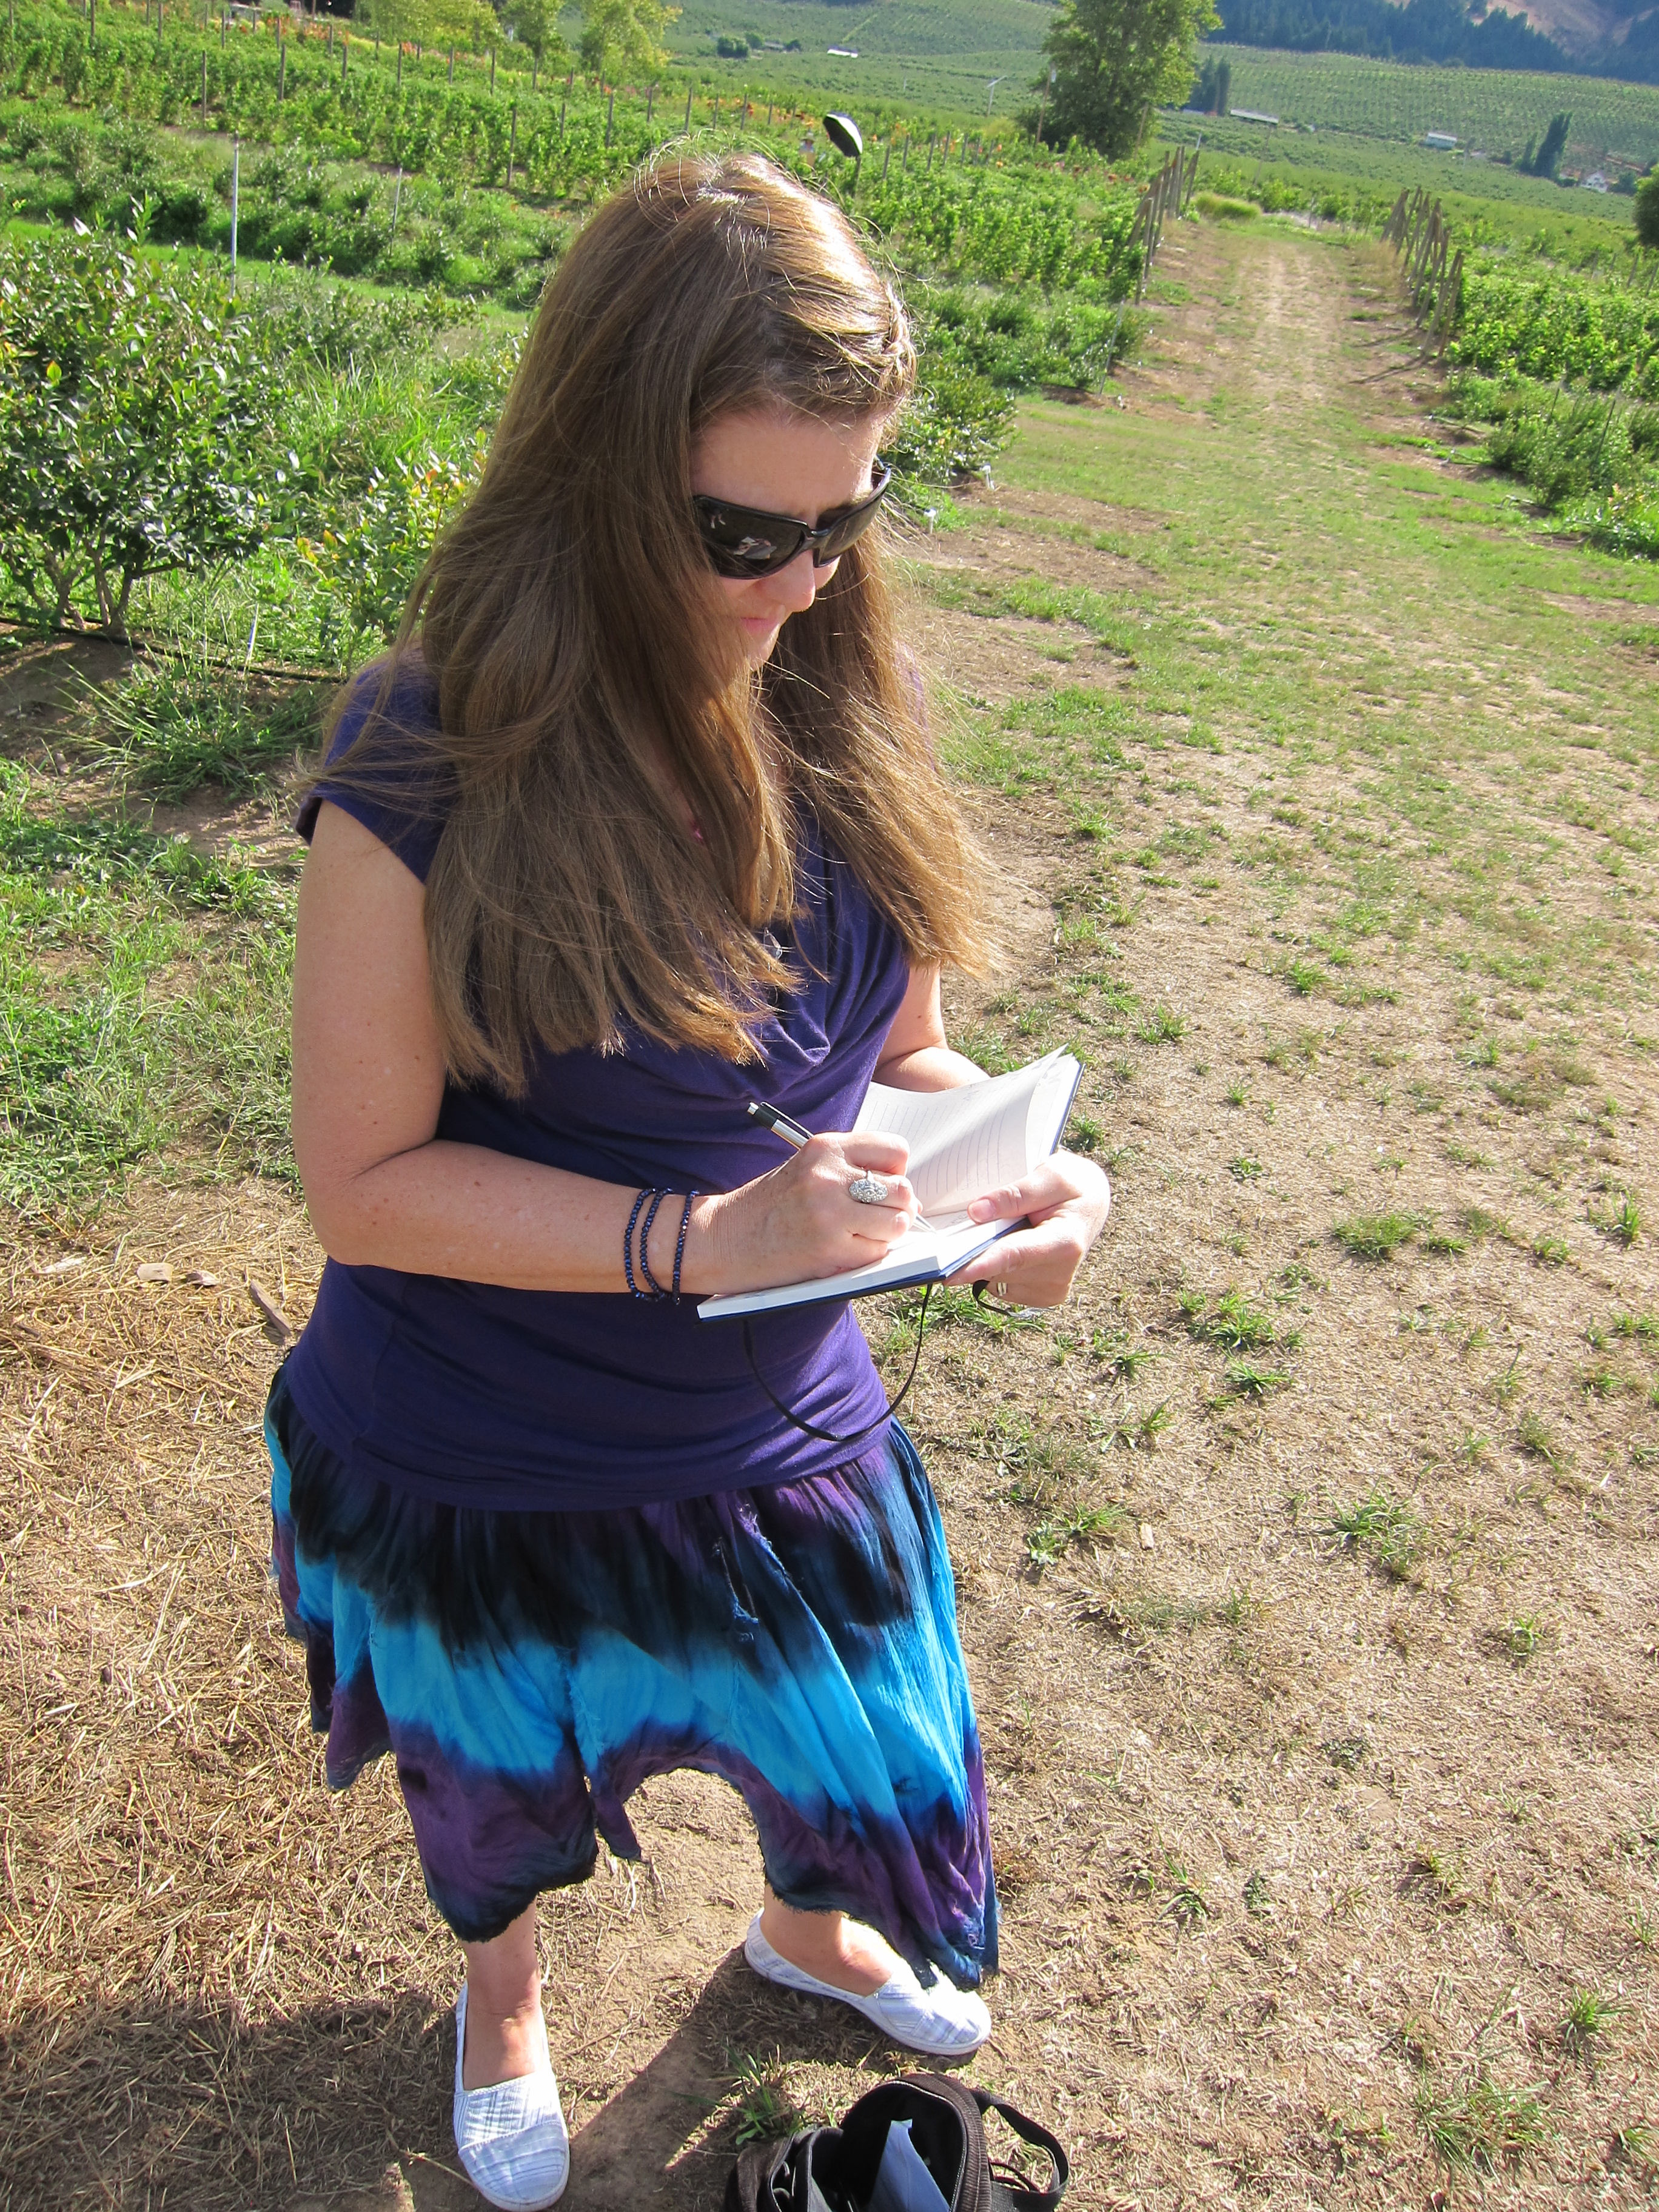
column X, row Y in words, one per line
column 1065, row 1201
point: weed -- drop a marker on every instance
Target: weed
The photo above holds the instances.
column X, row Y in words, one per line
column 1478, row 1223
column 1508, row 1384
column 1444, row 1873
column 1644, row 1927
column 1538, row 1441
column 1252, row 1381
column 1588, row 2014
column 1643, row 1325
column 1481, row 2124
column 1084, row 1134
column 1347, row 1752
column 1633, row 2143
column 1160, row 1026
column 1441, row 1240
column 1304, row 978
column 1231, row 1323
column 1551, row 1251
column 1258, row 1899
column 1464, row 1157
column 1187, row 1903
column 766, row 2111
column 949, row 1306
column 1602, row 1383
column 1113, row 1347
column 1047, row 1543
column 1374, row 1236
column 1139, row 1432
column 1624, row 1226
column 1524, row 1638
column 1381, row 1525
column 1244, row 1169
column 1239, row 1607
column 1238, row 1093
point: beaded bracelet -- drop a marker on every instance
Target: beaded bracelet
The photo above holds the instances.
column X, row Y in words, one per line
column 655, row 1289
column 679, row 1246
column 628, row 1243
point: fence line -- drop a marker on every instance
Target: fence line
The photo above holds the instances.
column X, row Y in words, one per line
column 1419, row 233
column 1167, row 192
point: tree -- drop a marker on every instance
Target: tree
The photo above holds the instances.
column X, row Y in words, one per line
column 1114, row 61
column 1547, row 159
column 1647, row 211
column 624, row 35
column 1209, row 94
column 535, row 25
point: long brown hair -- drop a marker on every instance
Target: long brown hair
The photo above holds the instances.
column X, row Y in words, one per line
column 583, row 663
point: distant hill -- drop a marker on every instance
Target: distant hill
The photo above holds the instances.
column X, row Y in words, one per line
column 1590, row 35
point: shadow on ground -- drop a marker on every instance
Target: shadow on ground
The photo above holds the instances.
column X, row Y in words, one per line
column 346, row 2109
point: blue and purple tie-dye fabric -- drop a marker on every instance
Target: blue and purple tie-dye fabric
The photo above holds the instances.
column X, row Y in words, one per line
column 799, row 1640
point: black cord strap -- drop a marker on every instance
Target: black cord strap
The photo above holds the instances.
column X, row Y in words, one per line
column 829, row 1436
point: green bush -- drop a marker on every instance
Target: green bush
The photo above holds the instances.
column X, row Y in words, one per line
column 1018, row 343
column 954, row 427
column 137, row 427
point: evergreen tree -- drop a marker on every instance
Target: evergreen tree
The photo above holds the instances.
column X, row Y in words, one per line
column 1547, row 160
column 1646, row 211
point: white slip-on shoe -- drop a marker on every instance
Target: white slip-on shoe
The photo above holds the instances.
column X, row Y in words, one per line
column 945, row 2022
column 512, row 2137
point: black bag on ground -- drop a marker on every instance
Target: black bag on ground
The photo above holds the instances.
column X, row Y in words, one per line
column 834, row 2169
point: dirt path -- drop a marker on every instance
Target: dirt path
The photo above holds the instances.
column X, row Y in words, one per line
column 1320, row 798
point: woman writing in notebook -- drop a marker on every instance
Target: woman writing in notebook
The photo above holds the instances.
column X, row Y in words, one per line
column 636, row 824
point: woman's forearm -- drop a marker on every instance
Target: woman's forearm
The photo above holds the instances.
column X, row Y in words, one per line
column 483, row 1217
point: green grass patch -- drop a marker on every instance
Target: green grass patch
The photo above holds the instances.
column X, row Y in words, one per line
column 1374, row 1236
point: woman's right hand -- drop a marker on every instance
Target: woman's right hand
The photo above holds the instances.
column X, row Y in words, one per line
column 795, row 1224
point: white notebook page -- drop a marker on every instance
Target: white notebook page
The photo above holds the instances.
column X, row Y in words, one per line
column 967, row 1141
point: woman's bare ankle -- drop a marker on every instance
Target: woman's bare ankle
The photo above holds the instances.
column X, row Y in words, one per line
column 830, row 1946
column 503, row 2007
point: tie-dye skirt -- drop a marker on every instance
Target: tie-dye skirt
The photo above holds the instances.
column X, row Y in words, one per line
column 528, row 1671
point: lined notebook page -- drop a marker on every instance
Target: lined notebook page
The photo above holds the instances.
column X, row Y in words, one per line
column 967, row 1141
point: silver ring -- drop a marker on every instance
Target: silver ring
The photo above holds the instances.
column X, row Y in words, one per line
column 869, row 1190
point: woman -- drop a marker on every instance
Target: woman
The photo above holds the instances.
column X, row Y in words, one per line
column 637, row 822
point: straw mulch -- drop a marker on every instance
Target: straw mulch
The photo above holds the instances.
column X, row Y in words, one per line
column 173, row 2029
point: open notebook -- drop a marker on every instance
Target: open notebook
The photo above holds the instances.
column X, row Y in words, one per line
column 962, row 1143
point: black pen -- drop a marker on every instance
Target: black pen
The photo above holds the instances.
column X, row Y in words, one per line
column 780, row 1124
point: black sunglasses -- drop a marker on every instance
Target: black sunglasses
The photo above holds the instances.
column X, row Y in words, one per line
column 743, row 541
